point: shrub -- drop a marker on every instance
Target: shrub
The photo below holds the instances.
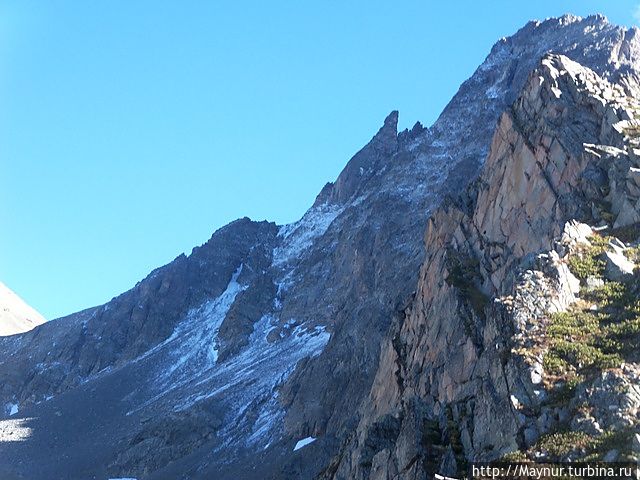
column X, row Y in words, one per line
column 515, row 457
column 627, row 328
column 564, row 392
column 559, row 444
column 580, row 342
column 553, row 364
column 464, row 274
column 611, row 293
column 585, row 356
column 586, row 264
column 633, row 254
column 573, row 324
column 620, row 440
column 599, row 243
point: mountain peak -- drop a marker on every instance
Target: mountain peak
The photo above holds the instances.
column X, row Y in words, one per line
column 363, row 164
column 391, row 122
column 15, row 315
column 387, row 136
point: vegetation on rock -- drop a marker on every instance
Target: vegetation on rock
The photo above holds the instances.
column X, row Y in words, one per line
column 586, row 261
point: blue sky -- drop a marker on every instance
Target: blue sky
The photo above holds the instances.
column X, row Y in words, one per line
column 130, row 131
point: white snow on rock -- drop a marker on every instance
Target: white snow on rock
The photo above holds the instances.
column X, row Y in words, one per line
column 303, row 443
column 15, row 430
column 188, row 370
column 493, row 92
column 11, row 409
column 244, row 382
column 193, row 345
column 299, row 236
column 15, row 315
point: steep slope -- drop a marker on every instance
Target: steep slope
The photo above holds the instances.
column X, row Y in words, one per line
column 15, row 315
column 219, row 363
column 461, row 376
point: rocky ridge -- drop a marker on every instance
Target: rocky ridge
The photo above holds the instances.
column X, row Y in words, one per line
column 467, row 372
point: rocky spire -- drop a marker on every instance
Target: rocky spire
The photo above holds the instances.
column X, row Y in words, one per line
column 386, row 140
column 363, row 164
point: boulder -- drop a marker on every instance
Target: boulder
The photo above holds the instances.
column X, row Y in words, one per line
column 618, row 267
column 575, row 233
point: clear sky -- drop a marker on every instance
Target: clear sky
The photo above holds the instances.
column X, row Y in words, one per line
column 131, row 130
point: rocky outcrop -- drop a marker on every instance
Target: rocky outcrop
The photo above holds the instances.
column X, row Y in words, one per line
column 455, row 357
column 454, row 149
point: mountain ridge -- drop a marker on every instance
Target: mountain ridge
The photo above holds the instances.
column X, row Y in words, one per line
column 189, row 352
column 450, row 368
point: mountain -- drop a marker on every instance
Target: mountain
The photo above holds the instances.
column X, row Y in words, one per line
column 523, row 333
column 15, row 315
column 352, row 344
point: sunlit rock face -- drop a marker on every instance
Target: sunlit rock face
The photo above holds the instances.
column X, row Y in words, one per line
column 462, row 375
column 340, row 327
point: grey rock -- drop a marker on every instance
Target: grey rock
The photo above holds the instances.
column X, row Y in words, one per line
column 618, row 267
column 586, row 424
column 613, row 397
column 593, row 282
column 546, row 420
column 563, row 414
column 531, row 436
column 576, row 233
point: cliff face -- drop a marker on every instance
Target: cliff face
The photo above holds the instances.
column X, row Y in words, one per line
column 461, row 375
column 218, row 364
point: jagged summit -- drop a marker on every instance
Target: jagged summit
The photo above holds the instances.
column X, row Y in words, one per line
column 486, row 350
column 367, row 162
column 386, row 138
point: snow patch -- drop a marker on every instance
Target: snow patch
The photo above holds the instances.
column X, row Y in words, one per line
column 193, row 344
column 494, row 92
column 245, row 385
column 11, row 409
column 299, row 236
column 201, row 341
column 303, row 443
column 15, row 430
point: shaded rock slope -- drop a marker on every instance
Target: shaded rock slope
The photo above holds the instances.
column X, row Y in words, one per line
column 15, row 315
column 221, row 363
